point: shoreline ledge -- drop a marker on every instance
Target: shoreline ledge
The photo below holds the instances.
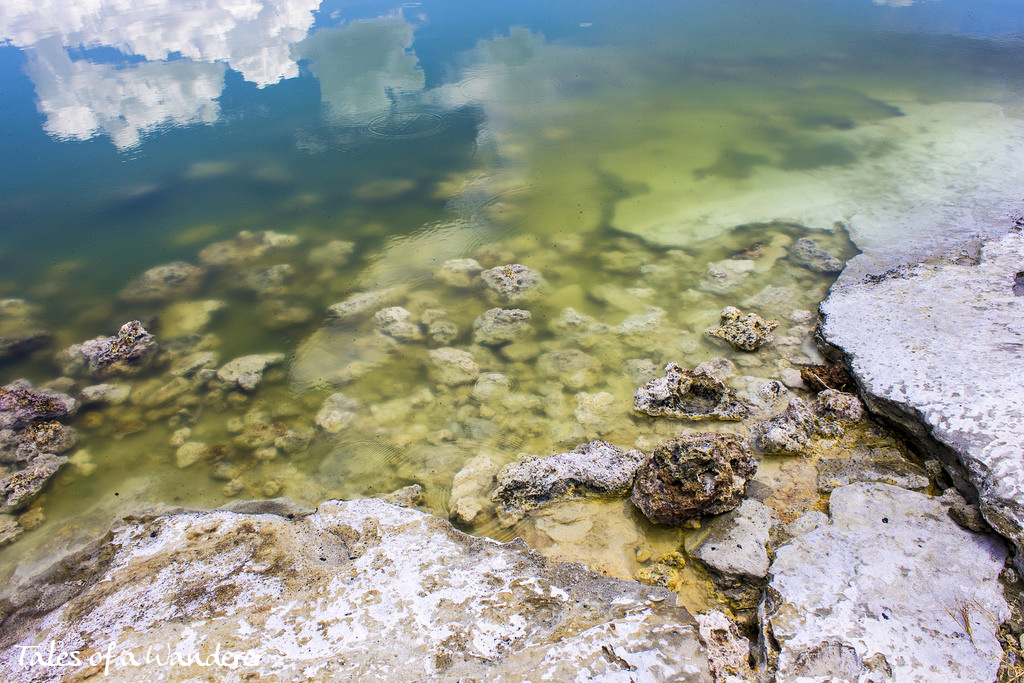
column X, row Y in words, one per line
column 937, row 347
column 357, row 590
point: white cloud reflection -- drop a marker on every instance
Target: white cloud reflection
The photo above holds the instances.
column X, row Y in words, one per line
column 82, row 98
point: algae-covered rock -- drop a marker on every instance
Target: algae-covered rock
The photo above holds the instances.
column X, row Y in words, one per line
column 890, row 589
column 20, row 405
column 743, row 331
column 688, row 395
column 462, row 273
column 592, row 468
column 127, row 353
column 22, row 344
column 162, row 283
column 806, row 253
column 361, row 305
column 452, row 367
column 246, row 247
column 246, row 372
column 693, row 475
column 21, row 487
column 512, row 283
column 501, row 325
column 357, row 591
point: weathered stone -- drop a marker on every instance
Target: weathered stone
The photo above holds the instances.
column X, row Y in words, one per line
column 821, row 377
column 594, row 468
column 725, row 276
column 935, row 347
column 640, row 370
column 359, row 590
column 21, row 487
column 126, row 353
column 461, row 273
column 15, row 346
column 189, row 453
column 501, row 325
column 744, row 332
column 792, row 431
column 876, row 466
column 20, row 405
column 359, row 306
column 169, row 281
column 47, row 437
column 452, row 367
column 10, row 530
column 334, row 254
column 718, row 367
column 247, row 371
column 840, row 406
column 688, row 395
column 641, row 326
column 394, row 322
column 728, row 652
column 595, row 410
column 471, row 488
column 192, row 363
column 693, row 475
column 806, row 253
column 491, row 387
column 443, row 332
column 405, row 497
column 336, row 413
column 512, row 283
column 887, row 585
column 110, row 394
column 572, row 367
column 245, row 248
column 734, row 550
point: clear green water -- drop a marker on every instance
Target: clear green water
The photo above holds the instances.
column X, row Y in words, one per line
column 621, row 154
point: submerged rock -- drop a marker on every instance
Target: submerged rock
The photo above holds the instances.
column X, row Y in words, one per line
column 126, row 353
column 461, row 273
column 360, row 306
column 452, row 367
column 501, row 325
column 693, row 475
column 336, row 413
column 792, row 431
column 885, row 592
column 21, row 487
column 882, row 465
column 20, row 405
column 245, row 248
column 688, row 395
column 334, row 254
column 471, row 489
column 15, row 346
column 358, row 590
column 10, row 530
column 169, row 281
column 394, row 322
column 594, row 468
column 745, row 332
column 246, row 372
column 512, row 283
column 806, row 253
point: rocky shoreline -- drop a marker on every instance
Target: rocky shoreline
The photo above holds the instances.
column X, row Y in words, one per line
column 851, row 565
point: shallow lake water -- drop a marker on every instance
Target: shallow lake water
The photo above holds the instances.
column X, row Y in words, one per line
column 652, row 163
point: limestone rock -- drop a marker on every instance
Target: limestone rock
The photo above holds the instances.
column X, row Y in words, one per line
column 187, row 317
column 245, row 248
column 838, row 405
column 471, row 488
column 405, row 497
column 126, row 353
column 693, row 475
column 592, row 468
column 452, row 367
column 734, row 550
column 394, row 322
column 688, row 395
column 336, row 413
column 491, row 387
column 461, row 273
column 22, row 344
column 265, row 282
column 572, row 367
column 334, row 254
column 728, row 652
column 885, row 588
column 744, row 332
column 501, row 325
column 792, row 431
column 359, row 590
column 10, row 530
column 20, row 405
column 247, row 371
column 21, row 487
column 874, row 465
column 512, row 283
column 169, row 281
column 360, row 306
column 806, row 253
column 189, row 453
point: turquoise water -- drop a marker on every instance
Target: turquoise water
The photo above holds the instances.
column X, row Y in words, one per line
column 620, row 151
